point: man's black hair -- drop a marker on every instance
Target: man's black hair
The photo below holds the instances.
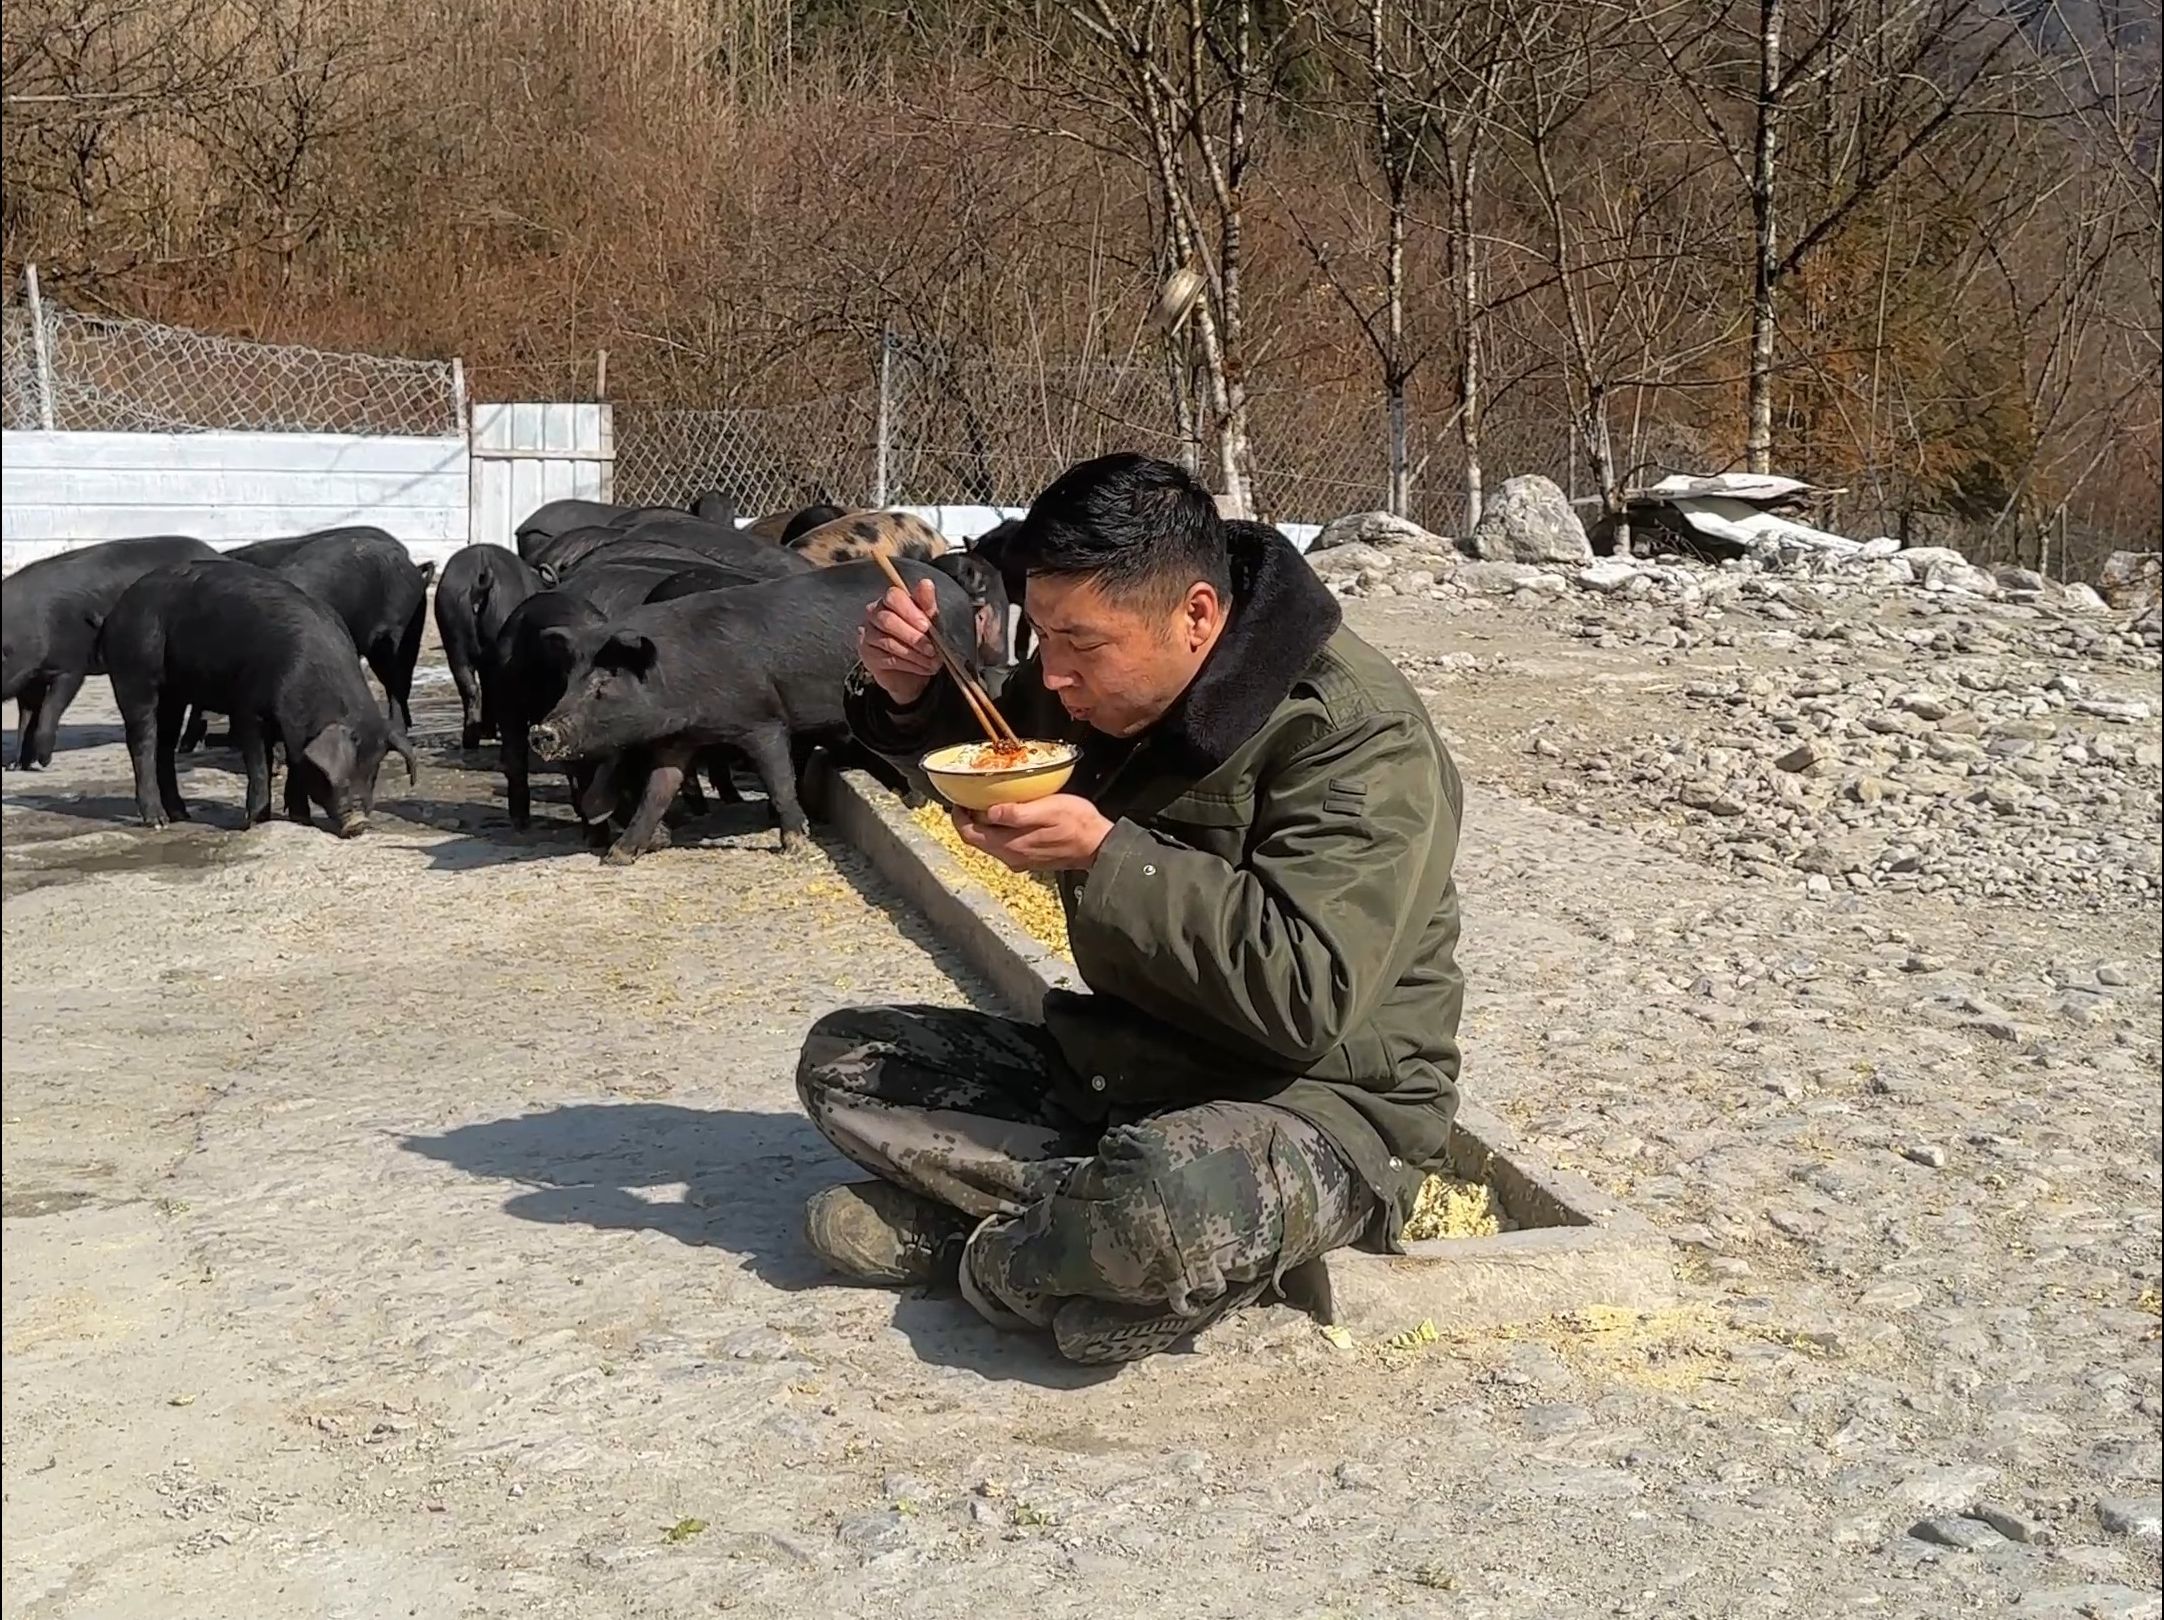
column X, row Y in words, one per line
column 1138, row 526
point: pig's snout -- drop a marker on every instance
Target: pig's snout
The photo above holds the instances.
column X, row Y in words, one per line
column 546, row 741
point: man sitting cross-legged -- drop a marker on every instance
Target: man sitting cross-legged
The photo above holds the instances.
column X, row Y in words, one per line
column 1254, row 855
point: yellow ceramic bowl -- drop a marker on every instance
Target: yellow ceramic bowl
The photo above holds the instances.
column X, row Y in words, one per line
column 967, row 789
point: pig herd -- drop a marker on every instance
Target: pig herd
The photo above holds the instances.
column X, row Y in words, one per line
column 636, row 649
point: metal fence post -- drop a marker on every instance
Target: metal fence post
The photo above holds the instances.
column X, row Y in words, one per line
column 40, row 349
column 879, row 465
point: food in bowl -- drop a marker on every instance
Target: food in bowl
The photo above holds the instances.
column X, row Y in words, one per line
column 976, row 776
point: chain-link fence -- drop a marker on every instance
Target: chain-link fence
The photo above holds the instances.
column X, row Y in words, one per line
column 926, row 429
column 112, row 373
column 923, row 428
column 765, row 460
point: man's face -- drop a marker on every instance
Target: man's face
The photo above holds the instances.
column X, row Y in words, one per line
column 1118, row 662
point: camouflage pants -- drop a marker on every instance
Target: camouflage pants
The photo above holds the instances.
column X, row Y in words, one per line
column 1175, row 1211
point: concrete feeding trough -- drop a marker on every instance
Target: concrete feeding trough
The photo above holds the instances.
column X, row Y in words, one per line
column 1569, row 1246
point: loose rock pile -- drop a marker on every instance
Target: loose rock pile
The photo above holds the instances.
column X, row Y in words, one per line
column 2014, row 785
column 1990, row 764
column 1670, row 602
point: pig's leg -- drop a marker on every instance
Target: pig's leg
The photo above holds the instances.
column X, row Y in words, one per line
column 595, row 789
column 255, row 760
column 296, row 790
column 59, row 693
column 472, row 704
column 721, row 777
column 399, row 683
column 485, row 701
column 662, row 783
column 192, row 738
column 139, row 717
column 769, row 751
column 27, row 703
column 171, row 711
column 513, row 755
column 591, row 803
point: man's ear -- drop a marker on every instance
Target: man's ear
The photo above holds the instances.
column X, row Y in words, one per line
column 1201, row 614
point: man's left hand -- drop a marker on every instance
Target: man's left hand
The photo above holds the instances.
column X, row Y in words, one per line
column 1061, row 833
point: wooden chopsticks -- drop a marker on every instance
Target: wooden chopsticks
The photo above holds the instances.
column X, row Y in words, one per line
column 979, row 701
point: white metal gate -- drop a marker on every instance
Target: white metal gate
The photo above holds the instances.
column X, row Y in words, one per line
column 527, row 454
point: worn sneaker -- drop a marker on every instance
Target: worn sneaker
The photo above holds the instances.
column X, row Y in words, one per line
column 876, row 1232
column 1095, row 1331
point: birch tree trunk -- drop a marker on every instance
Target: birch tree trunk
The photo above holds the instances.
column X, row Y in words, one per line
column 1466, row 252
column 1765, row 238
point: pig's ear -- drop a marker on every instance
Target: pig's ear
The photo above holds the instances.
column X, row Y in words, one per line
column 332, row 751
column 627, row 651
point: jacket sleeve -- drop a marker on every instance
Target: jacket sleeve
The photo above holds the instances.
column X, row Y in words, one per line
column 940, row 716
column 1288, row 952
column 885, row 727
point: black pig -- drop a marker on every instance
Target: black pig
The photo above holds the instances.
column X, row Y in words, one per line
column 256, row 647
column 54, row 608
column 479, row 587
column 988, row 595
column 372, row 583
column 992, row 546
column 756, row 669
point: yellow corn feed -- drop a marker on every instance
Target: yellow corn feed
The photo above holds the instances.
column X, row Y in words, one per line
column 1031, row 897
column 1454, row 1209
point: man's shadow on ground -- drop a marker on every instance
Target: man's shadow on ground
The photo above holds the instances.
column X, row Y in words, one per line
column 746, row 1176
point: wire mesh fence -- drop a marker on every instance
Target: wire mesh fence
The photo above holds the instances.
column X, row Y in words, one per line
column 764, row 460
column 117, row 374
column 926, row 429
column 18, row 370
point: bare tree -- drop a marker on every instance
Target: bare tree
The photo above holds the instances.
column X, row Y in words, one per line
column 1397, row 106
column 1470, row 70
column 91, row 88
column 1872, row 86
column 1610, row 283
column 1177, row 86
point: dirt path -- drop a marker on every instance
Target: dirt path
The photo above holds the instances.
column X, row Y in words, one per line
column 408, row 1227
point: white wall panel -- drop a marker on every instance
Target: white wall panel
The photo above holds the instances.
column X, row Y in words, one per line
column 59, row 490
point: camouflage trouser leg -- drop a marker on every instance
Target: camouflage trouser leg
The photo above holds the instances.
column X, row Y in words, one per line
column 1177, row 1213
column 1174, row 1212
column 950, row 1103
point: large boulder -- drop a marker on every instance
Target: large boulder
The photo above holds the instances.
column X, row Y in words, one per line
column 1507, row 578
column 1879, row 573
column 2132, row 580
column 1963, row 577
column 1613, row 578
column 1925, row 558
column 1530, row 520
column 1374, row 529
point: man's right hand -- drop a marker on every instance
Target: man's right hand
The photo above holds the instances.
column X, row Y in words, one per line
column 895, row 642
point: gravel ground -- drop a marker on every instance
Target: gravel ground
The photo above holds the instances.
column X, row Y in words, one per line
column 409, row 1226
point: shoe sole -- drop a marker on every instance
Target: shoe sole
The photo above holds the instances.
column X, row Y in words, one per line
column 1094, row 1340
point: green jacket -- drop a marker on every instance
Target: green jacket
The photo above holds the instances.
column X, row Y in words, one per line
column 1273, row 916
